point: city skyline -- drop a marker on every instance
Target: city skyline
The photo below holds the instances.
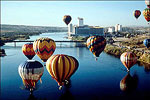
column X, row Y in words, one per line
column 50, row 13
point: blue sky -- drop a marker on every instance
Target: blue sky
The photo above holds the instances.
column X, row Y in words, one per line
column 50, row 13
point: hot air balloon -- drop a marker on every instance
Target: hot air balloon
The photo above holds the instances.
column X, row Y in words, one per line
column 30, row 71
column 147, row 43
column 67, row 19
column 137, row 13
column 96, row 44
column 147, row 2
column 28, row 51
column 128, row 59
column 146, row 14
column 61, row 67
column 44, row 48
column 129, row 83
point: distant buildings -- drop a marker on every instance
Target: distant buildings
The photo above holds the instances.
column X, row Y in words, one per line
column 118, row 28
column 111, row 29
column 84, row 30
column 80, row 21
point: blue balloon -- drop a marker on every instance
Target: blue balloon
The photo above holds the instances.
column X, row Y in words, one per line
column 147, row 43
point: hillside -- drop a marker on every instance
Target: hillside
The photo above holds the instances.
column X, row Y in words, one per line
column 23, row 28
column 12, row 32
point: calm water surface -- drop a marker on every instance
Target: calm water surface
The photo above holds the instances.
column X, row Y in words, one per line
column 94, row 80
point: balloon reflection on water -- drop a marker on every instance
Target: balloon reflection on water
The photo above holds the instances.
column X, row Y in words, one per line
column 30, row 71
column 129, row 83
column 67, row 95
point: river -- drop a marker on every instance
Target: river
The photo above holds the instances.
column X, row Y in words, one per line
column 93, row 80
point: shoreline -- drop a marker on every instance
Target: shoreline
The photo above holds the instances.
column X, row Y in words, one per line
column 116, row 51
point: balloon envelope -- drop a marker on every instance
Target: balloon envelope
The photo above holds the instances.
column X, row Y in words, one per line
column 128, row 59
column 96, row 44
column 146, row 14
column 44, row 48
column 147, row 43
column 147, row 2
column 28, row 51
column 61, row 67
column 67, row 19
column 137, row 13
column 30, row 71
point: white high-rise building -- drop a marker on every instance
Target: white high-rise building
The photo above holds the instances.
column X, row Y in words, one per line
column 118, row 28
column 80, row 21
column 111, row 29
column 70, row 28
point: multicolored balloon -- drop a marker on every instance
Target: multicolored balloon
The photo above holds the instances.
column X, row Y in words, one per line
column 96, row 44
column 67, row 19
column 61, row 67
column 147, row 2
column 146, row 14
column 128, row 59
column 30, row 71
column 28, row 51
column 137, row 13
column 129, row 83
column 44, row 48
column 147, row 43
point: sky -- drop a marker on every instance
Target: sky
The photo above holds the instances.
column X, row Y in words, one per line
column 50, row 13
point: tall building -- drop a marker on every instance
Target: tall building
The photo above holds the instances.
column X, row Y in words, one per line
column 118, row 28
column 84, row 30
column 70, row 28
column 111, row 29
column 80, row 21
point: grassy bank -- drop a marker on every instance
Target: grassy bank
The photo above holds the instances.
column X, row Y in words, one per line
column 117, row 51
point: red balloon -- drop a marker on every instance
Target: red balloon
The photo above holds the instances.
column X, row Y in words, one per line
column 28, row 51
column 137, row 13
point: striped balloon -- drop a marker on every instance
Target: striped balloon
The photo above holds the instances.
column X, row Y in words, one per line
column 137, row 13
column 146, row 14
column 128, row 59
column 44, row 48
column 96, row 44
column 61, row 67
column 28, row 51
column 30, row 71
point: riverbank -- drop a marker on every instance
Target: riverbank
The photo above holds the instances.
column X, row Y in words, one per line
column 22, row 32
column 117, row 51
column 121, row 45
